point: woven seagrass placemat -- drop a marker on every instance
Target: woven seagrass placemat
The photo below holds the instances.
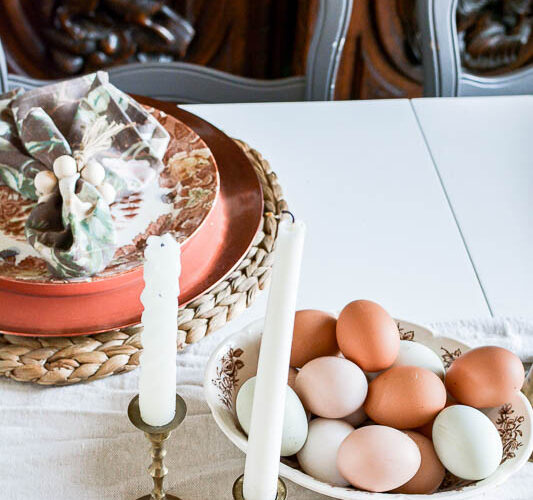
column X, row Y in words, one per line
column 68, row 360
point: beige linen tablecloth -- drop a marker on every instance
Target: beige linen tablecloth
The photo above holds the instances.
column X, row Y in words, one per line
column 76, row 442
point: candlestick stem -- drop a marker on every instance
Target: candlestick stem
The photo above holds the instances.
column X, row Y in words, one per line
column 157, row 437
column 157, row 469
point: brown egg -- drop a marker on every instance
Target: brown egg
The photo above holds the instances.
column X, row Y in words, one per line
column 314, row 336
column 405, row 397
column 485, row 377
column 378, row 458
column 367, row 335
column 431, row 471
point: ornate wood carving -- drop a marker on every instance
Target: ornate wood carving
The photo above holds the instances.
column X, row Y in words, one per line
column 257, row 38
column 53, row 38
column 90, row 35
column 495, row 35
column 381, row 57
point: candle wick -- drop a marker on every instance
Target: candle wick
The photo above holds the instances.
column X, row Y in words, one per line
column 291, row 214
column 271, row 214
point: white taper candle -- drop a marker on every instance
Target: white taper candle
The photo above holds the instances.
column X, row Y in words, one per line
column 264, row 440
column 157, row 379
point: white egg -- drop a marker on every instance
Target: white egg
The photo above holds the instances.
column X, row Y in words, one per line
column 356, row 418
column 45, row 182
column 318, row 457
column 467, row 442
column 65, row 166
column 94, row 173
column 416, row 354
column 108, row 192
column 294, row 423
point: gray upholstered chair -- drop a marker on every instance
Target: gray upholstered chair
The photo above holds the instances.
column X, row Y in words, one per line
column 184, row 82
column 444, row 74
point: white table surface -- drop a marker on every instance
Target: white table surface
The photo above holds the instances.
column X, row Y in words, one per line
column 483, row 150
column 428, row 213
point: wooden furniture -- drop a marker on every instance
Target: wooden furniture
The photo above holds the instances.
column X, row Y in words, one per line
column 269, row 39
column 185, row 82
column 253, row 38
column 451, row 70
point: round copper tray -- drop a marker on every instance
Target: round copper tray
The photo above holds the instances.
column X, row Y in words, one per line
column 68, row 309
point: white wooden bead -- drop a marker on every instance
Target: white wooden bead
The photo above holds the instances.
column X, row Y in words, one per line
column 108, row 192
column 44, row 197
column 45, row 182
column 94, row 173
column 65, row 166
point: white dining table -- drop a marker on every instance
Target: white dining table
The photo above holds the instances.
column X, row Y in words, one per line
column 424, row 206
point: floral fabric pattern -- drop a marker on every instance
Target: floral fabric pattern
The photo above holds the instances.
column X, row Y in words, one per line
column 91, row 120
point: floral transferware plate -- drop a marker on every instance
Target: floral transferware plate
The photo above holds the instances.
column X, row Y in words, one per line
column 177, row 202
column 235, row 361
column 214, row 241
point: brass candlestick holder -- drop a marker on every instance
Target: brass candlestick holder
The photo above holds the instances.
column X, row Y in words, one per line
column 238, row 494
column 157, row 437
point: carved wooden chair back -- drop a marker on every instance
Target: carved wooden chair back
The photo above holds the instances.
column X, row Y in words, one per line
column 444, row 75
column 185, row 82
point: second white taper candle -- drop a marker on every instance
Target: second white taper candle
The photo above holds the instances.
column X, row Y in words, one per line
column 264, row 440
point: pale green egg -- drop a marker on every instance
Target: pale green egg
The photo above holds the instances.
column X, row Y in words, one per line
column 295, row 424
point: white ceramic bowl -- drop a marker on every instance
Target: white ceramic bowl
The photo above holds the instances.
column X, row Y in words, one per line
column 235, row 361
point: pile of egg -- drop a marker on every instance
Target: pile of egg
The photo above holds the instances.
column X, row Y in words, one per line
column 368, row 409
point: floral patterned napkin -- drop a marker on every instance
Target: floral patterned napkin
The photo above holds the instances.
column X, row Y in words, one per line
column 113, row 147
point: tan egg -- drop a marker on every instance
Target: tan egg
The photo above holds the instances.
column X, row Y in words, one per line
column 378, row 458
column 331, row 387
column 431, row 472
column 367, row 335
column 485, row 377
column 314, row 336
column 405, row 397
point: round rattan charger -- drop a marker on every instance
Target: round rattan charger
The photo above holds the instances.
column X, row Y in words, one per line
column 68, row 360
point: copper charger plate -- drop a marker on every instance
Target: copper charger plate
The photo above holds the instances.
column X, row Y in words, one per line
column 82, row 308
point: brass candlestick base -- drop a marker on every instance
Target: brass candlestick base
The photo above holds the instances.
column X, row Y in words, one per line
column 157, row 437
column 238, row 494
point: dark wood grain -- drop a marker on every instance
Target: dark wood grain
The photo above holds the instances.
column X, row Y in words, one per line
column 495, row 35
column 56, row 38
column 260, row 38
column 380, row 58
